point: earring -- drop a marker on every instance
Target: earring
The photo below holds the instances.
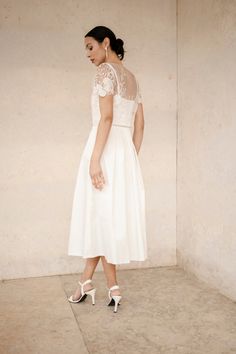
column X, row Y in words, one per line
column 106, row 52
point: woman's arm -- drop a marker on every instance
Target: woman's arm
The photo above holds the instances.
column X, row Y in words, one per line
column 104, row 126
column 138, row 128
column 106, row 109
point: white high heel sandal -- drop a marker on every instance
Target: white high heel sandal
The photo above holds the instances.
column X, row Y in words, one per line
column 114, row 299
column 84, row 294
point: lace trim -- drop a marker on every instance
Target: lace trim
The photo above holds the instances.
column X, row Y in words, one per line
column 109, row 78
column 105, row 80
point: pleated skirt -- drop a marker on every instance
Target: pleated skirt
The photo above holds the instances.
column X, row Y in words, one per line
column 110, row 222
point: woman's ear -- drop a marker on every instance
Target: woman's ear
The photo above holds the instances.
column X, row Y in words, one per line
column 106, row 42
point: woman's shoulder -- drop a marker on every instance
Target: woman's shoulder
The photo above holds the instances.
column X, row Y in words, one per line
column 105, row 80
column 104, row 70
column 113, row 68
column 104, row 67
column 103, row 64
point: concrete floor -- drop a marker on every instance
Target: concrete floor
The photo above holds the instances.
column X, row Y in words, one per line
column 163, row 310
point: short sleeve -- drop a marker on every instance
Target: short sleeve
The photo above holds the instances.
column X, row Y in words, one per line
column 139, row 96
column 105, row 80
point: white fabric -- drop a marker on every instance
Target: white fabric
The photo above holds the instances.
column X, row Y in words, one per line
column 111, row 222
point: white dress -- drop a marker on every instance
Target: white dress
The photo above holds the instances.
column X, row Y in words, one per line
column 111, row 222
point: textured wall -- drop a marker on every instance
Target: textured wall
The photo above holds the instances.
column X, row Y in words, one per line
column 206, row 194
column 45, row 120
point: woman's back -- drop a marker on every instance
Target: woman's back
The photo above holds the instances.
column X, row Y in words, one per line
column 115, row 79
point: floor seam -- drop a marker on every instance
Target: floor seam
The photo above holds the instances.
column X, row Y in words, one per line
column 77, row 322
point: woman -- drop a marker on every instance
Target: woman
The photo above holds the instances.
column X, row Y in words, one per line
column 108, row 214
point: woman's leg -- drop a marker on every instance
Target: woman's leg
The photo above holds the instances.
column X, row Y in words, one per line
column 90, row 266
column 110, row 273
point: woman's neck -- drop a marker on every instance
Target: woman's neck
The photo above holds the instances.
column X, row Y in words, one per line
column 113, row 58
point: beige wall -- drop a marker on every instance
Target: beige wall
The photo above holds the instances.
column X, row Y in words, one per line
column 206, row 194
column 45, row 120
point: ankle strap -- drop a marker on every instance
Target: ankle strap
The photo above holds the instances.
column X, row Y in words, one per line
column 86, row 282
column 114, row 287
column 82, row 285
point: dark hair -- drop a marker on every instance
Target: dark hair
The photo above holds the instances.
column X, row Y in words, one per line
column 100, row 32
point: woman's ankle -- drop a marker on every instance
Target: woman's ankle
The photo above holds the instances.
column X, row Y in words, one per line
column 115, row 291
column 86, row 286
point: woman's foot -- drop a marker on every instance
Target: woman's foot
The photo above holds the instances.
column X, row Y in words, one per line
column 77, row 293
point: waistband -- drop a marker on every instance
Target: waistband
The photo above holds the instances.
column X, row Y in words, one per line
column 117, row 125
column 122, row 125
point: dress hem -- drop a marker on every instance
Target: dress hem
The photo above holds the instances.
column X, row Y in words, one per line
column 109, row 261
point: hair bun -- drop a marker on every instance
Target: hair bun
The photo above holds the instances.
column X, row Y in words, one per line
column 119, row 48
column 119, row 42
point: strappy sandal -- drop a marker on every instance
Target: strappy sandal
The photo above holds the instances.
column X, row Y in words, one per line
column 84, row 294
column 114, row 299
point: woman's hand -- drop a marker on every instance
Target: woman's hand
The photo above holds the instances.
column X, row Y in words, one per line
column 96, row 174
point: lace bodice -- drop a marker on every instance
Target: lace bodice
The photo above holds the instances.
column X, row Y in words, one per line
column 114, row 79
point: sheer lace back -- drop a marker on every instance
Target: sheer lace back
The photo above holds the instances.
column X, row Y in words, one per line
column 115, row 79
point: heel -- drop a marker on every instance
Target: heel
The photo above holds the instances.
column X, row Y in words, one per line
column 117, row 299
column 92, row 293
